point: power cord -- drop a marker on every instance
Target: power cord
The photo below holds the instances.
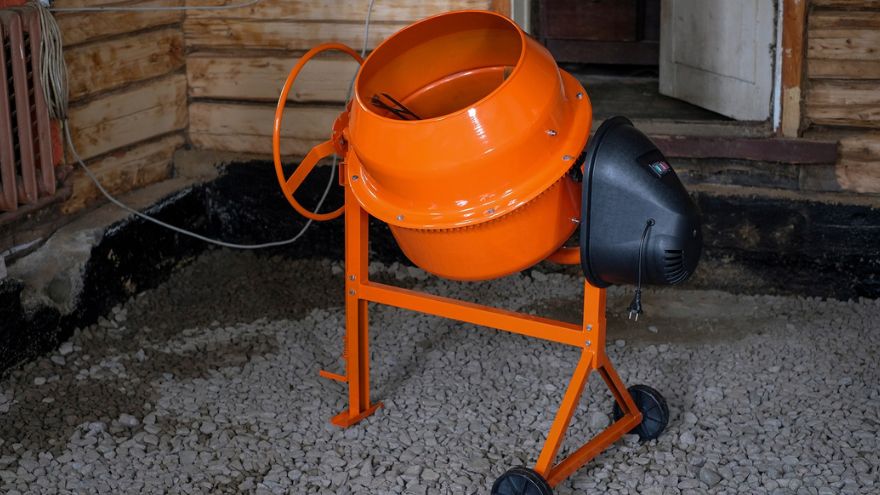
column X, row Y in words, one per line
column 155, row 9
column 54, row 78
column 635, row 307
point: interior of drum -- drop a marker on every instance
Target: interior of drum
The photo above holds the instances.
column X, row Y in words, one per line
column 440, row 66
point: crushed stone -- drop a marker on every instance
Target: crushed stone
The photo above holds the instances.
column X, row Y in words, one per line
column 209, row 384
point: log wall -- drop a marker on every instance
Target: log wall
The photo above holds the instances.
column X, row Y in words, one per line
column 128, row 94
column 239, row 59
column 843, row 95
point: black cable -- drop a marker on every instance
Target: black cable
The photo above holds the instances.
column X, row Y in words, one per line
column 635, row 307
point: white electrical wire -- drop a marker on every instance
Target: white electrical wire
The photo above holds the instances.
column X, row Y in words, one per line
column 53, row 69
column 111, row 8
column 179, row 230
column 55, row 80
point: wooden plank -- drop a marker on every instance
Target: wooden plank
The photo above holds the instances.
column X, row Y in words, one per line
column 248, row 128
column 259, row 78
column 788, row 151
column 853, row 103
column 500, row 6
column 844, row 69
column 279, row 35
column 79, row 28
column 846, row 4
column 127, row 117
column 859, row 166
column 321, row 10
column 844, row 21
column 122, row 171
column 101, row 66
column 792, row 65
column 840, row 44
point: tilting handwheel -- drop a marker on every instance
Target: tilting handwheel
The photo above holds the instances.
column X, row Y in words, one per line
column 655, row 412
column 521, row 481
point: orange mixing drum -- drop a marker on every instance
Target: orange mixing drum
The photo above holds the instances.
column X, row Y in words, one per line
column 474, row 180
column 461, row 136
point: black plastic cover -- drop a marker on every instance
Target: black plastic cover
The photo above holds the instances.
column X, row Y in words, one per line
column 627, row 182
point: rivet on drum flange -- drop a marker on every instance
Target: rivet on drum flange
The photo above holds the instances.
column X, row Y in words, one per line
column 589, row 343
column 490, row 211
column 580, row 96
column 567, row 157
column 399, row 218
column 355, row 178
column 551, row 132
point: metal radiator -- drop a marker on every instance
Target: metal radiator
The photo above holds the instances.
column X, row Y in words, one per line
column 27, row 171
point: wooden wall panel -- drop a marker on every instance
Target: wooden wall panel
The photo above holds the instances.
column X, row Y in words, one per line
column 243, row 56
column 247, row 128
column 128, row 93
column 347, row 11
column 260, row 78
column 859, row 166
column 79, row 28
column 278, row 35
column 843, row 89
column 847, row 4
column 845, row 69
column 846, row 103
column 127, row 117
column 124, row 170
column 99, row 67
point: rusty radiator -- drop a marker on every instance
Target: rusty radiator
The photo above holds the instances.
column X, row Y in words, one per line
column 27, row 172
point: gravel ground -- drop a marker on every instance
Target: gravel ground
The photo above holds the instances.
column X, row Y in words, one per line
column 208, row 384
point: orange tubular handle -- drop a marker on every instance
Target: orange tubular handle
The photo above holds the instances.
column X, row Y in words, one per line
column 325, row 149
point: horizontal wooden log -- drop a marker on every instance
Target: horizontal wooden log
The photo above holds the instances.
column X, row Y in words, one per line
column 121, row 171
column 859, row 167
column 852, row 103
column 863, row 147
column 846, row 4
column 248, row 128
column 260, row 78
column 123, row 118
column 319, row 10
column 788, row 151
column 844, row 69
column 279, row 35
column 844, row 21
column 105, row 65
column 77, row 28
column 844, row 44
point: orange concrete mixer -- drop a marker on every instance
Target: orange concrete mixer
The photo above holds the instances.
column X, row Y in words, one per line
column 465, row 137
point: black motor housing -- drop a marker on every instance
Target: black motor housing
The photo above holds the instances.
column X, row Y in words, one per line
column 627, row 184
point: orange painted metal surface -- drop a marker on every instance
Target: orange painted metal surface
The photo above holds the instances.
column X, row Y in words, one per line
column 589, row 336
column 468, row 164
column 477, row 186
column 323, row 150
column 468, row 188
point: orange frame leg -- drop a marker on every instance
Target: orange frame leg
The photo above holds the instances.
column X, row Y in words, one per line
column 589, row 337
column 357, row 338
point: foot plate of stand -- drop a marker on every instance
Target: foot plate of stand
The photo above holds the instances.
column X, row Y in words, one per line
column 344, row 419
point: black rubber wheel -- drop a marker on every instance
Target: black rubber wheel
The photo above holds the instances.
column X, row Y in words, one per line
column 521, row 481
column 655, row 412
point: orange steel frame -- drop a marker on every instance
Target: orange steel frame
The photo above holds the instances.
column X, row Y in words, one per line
column 589, row 337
